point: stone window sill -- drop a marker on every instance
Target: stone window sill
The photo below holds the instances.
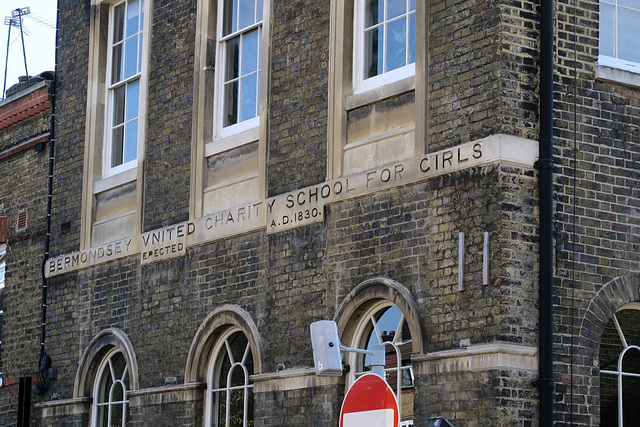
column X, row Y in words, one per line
column 115, row 181
column 606, row 73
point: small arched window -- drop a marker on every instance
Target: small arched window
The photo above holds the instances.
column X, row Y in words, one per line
column 620, row 369
column 110, row 399
column 385, row 324
column 229, row 390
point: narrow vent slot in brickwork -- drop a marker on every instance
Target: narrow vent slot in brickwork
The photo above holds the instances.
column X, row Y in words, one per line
column 22, row 220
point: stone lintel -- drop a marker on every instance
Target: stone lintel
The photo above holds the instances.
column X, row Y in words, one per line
column 476, row 358
column 291, row 379
column 56, row 408
column 167, row 394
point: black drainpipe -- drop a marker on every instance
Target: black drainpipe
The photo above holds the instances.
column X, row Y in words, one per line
column 44, row 361
column 544, row 165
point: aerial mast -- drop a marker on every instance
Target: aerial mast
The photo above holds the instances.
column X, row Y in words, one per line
column 15, row 20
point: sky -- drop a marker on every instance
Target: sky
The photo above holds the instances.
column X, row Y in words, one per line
column 39, row 39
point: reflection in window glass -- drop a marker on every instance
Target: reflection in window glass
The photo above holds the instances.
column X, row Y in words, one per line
column 618, row 22
column 241, row 46
column 230, row 394
column 620, row 370
column 124, row 87
column 389, row 35
column 386, row 325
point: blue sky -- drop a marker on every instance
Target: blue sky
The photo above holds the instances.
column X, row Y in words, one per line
column 39, row 39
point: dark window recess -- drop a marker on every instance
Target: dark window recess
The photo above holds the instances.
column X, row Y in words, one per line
column 4, row 229
column 24, row 401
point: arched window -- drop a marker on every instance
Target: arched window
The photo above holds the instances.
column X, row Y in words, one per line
column 110, row 392
column 229, row 391
column 620, row 369
column 385, row 324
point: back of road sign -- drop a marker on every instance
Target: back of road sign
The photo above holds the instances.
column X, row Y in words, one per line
column 370, row 402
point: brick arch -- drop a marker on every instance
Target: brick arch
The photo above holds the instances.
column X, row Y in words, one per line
column 613, row 296
column 370, row 292
column 213, row 327
column 99, row 346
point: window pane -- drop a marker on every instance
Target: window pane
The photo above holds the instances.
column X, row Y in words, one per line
column 630, row 401
column 631, row 362
column 248, row 363
column 236, row 410
column 629, row 321
column 412, row 4
column 116, row 415
column 118, row 23
column 131, row 57
column 635, row 4
column 237, row 376
column 116, row 64
column 231, row 103
column 396, row 44
column 609, row 399
column 221, row 399
column 133, row 99
column 259, row 12
column 247, row 13
column 374, row 13
column 412, row 38
column 249, row 103
column 250, row 52
column 118, row 105
column 103, row 414
column 396, row 8
column 117, row 143
column 119, row 365
column 238, row 344
column 606, row 30
column 224, row 364
column 141, row 15
column 373, row 52
column 131, row 141
column 117, row 392
column 233, row 59
column 628, row 24
column 140, row 53
column 133, row 16
column 230, row 18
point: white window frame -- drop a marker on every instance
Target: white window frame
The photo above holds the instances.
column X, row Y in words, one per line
column 99, row 383
column 247, row 129
column 360, row 84
column 107, row 169
column 211, row 411
column 615, row 61
column 619, row 372
column 359, row 338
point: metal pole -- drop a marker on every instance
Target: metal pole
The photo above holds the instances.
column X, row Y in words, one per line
column 545, row 182
column 24, row 53
column 6, row 63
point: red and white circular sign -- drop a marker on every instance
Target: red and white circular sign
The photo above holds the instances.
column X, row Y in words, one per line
column 369, row 402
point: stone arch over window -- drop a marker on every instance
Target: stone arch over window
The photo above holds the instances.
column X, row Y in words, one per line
column 371, row 292
column 218, row 324
column 101, row 347
column 614, row 295
column 619, row 295
column 382, row 312
column 620, row 367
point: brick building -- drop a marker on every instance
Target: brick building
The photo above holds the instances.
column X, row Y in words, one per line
column 25, row 130
column 228, row 172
